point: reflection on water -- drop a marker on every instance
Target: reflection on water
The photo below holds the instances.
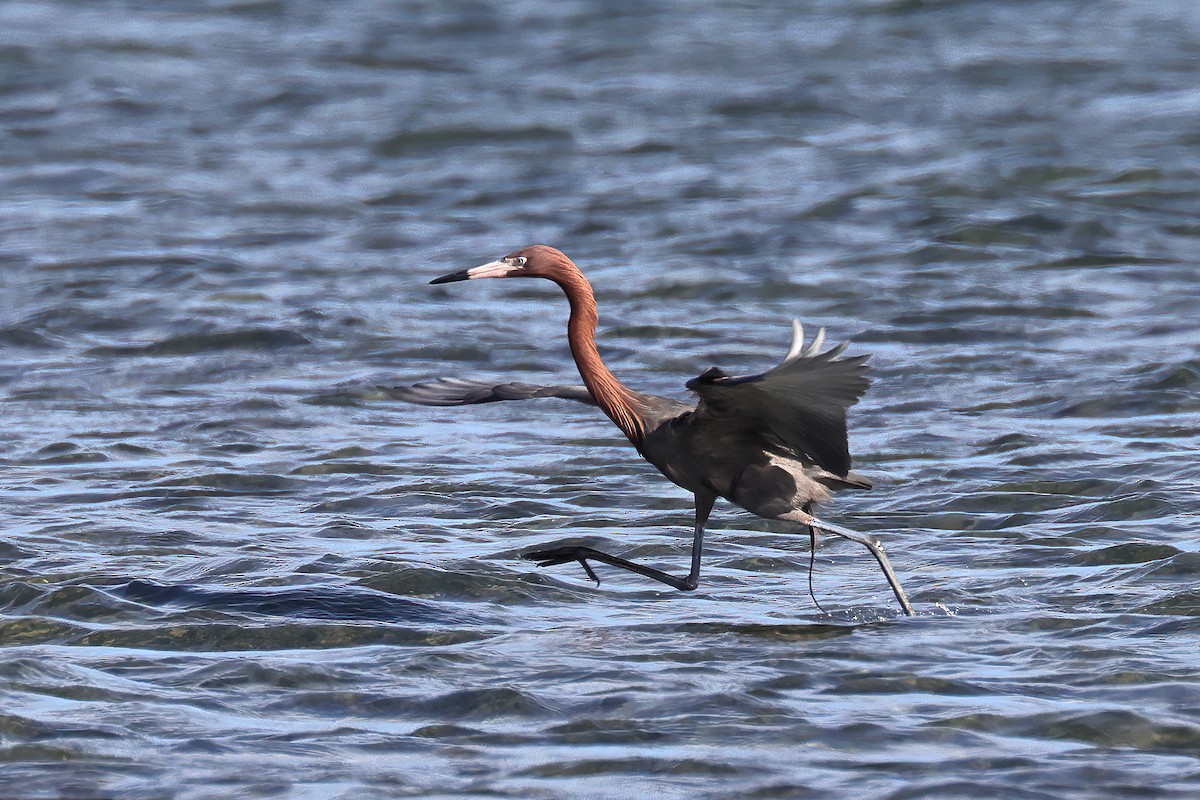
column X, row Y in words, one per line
column 231, row 567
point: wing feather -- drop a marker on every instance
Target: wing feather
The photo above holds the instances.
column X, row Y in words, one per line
column 801, row 403
column 461, row 392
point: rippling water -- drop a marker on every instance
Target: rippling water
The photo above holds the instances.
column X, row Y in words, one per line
column 231, row 567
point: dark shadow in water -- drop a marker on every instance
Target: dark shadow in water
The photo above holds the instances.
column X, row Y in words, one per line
column 311, row 602
column 779, row 632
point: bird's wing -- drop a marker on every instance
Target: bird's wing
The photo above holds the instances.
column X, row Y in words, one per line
column 801, row 403
column 461, row 392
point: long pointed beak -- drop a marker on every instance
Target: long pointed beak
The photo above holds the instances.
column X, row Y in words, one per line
column 492, row 269
column 461, row 275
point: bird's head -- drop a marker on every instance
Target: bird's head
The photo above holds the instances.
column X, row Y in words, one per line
column 535, row 261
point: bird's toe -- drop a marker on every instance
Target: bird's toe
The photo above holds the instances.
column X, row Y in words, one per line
column 553, row 555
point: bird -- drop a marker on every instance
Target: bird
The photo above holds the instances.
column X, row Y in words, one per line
column 774, row 443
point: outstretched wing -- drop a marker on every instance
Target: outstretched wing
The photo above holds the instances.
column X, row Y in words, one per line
column 801, row 403
column 461, row 392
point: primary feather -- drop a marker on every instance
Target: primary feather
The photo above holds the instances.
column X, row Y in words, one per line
column 802, row 402
column 461, row 392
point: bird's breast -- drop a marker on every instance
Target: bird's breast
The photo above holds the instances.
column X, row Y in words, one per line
column 695, row 456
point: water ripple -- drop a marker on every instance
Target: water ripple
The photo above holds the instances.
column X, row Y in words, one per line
column 232, row 566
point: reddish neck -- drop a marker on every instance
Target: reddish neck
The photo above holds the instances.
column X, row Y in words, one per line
column 617, row 401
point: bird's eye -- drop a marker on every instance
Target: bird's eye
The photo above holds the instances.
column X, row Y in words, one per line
column 516, row 261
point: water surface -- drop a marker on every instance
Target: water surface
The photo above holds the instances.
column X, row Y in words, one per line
column 231, row 567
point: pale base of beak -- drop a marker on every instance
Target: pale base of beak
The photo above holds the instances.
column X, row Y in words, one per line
column 492, row 269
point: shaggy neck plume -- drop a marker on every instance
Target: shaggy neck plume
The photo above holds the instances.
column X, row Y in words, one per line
column 617, row 401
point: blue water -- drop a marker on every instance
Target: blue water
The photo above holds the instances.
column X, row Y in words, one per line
column 231, row 567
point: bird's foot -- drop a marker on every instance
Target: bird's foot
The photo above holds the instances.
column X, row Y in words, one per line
column 564, row 555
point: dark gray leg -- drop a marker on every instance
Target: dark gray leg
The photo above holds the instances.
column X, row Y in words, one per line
column 869, row 542
column 564, row 555
column 812, row 563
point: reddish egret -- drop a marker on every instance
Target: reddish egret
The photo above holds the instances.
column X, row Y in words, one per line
column 773, row 444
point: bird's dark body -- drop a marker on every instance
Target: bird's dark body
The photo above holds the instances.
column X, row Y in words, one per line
column 773, row 443
column 714, row 456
